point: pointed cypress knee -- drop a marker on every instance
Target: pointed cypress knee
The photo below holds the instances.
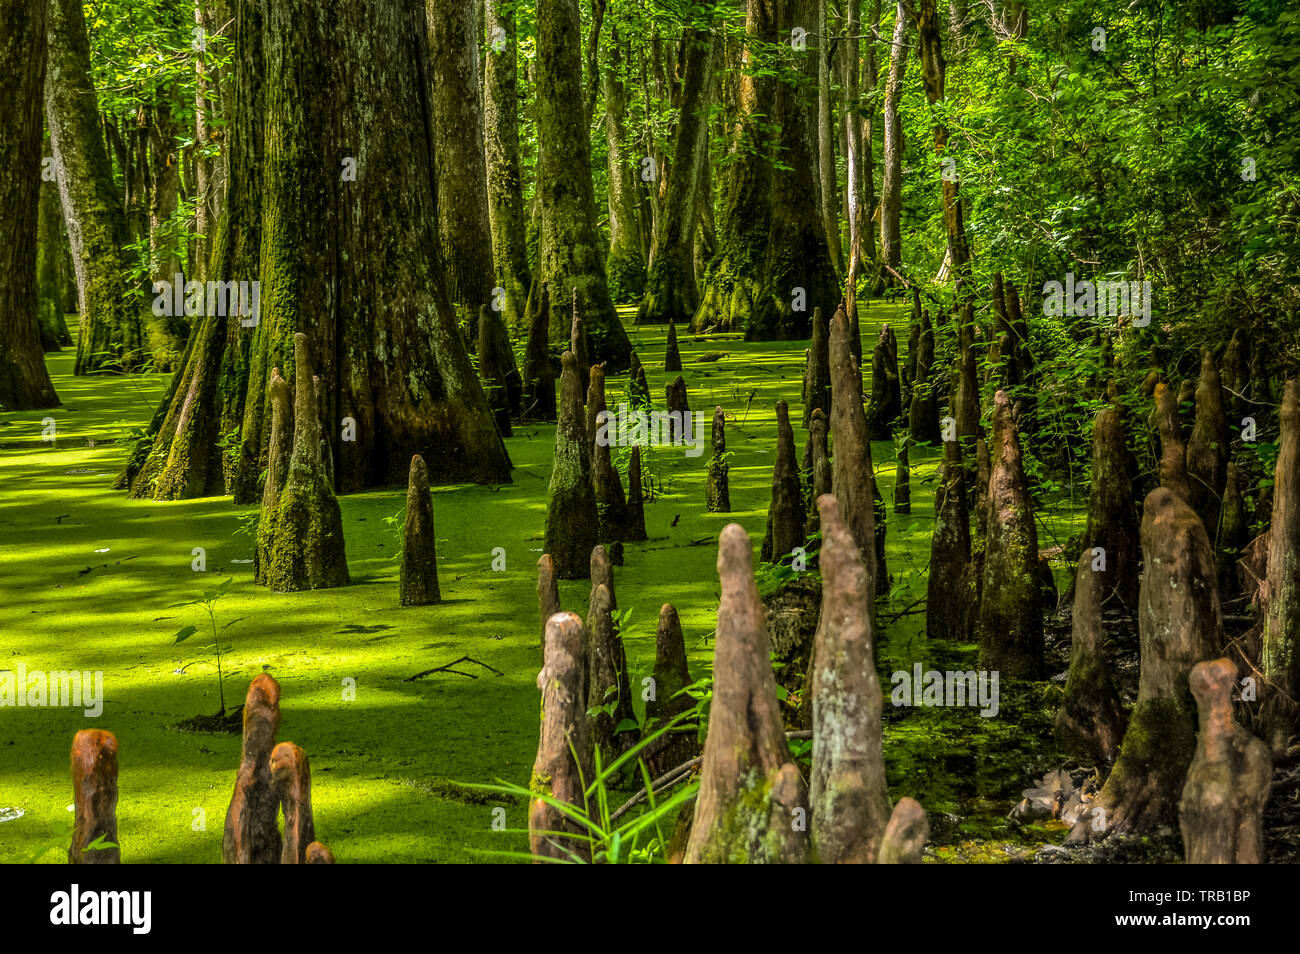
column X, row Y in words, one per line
column 603, row 637
column 277, row 470
column 817, row 370
column 1180, row 625
column 672, row 356
column 1173, row 452
column 291, row 778
column 903, row 483
column 602, row 672
column 1207, row 449
column 848, row 794
column 94, row 798
column 671, row 675
column 418, row 584
column 785, row 513
column 751, row 798
column 679, row 409
column 638, row 390
column 306, row 549
column 923, row 412
column 851, row 473
column 1280, row 591
column 634, row 527
column 611, row 507
column 548, row 592
column 886, row 393
column 572, row 522
column 1112, row 517
column 1010, row 625
column 717, row 492
column 1221, row 812
column 318, row 854
column 563, row 764
column 906, row 834
column 251, row 835
column 948, row 611
column 817, row 467
column 1092, row 719
column 1234, row 534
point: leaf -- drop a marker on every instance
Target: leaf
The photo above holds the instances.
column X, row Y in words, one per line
column 627, row 725
column 233, row 622
column 185, row 634
column 99, row 844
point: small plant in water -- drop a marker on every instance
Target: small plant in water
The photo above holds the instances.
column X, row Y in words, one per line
column 209, row 602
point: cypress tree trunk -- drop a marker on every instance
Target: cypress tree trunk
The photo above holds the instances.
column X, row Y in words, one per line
column 181, row 455
column 501, row 144
column 729, row 291
column 118, row 329
column 51, row 253
column 891, row 188
column 826, row 173
column 459, row 159
column 24, row 381
column 212, row 87
column 626, row 263
column 670, row 293
column 570, row 254
column 797, row 274
column 373, row 300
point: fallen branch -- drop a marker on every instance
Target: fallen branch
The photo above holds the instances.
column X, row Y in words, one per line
column 449, row 668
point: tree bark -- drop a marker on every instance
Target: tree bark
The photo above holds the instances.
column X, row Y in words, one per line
column 117, row 328
column 891, row 188
column 570, row 254
column 504, row 174
column 373, row 300
column 826, row 137
column 24, row 381
column 671, row 293
column 459, row 158
column 626, row 263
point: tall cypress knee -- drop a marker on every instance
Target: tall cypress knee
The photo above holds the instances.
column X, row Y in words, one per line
column 419, row 575
column 785, row 513
column 572, row 521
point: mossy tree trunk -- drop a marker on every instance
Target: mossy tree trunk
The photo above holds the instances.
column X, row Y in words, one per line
column 1281, row 591
column 373, row 299
column 186, row 452
column 570, row 250
column 504, row 175
column 51, row 254
column 459, row 157
column 670, row 292
column 891, row 187
column 24, row 381
column 626, row 263
column 118, row 329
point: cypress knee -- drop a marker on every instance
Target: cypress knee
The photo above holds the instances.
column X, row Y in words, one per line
column 1180, row 625
column 291, row 778
column 848, row 797
column 749, row 788
column 785, row 513
column 817, row 370
column 548, row 592
column 1207, row 450
column 1091, row 719
column 906, row 834
column 851, row 474
column 1221, row 813
column 679, row 410
column 1112, row 518
column 672, row 356
column 634, row 527
column 671, row 676
column 419, row 574
column 94, row 798
column 1173, row 453
column 886, row 392
column 611, row 507
column 717, row 492
column 563, row 764
column 947, row 604
column 1010, row 615
column 572, row 522
column 277, row 467
column 251, row 835
column 578, row 344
